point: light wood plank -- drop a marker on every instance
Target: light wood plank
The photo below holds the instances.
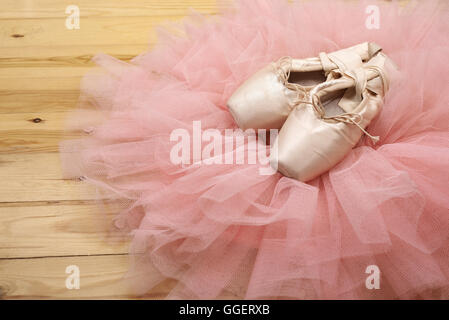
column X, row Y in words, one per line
column 36, row 79
column 36, row 131
column 24, row 9
column 101, row 277
column 37, row 166
column 33, row 122
column 65, row 56
column 38, row 177
column 47, row 32
column 45, row 190
column 20, row 101
column 31, row 141
column 73, row 228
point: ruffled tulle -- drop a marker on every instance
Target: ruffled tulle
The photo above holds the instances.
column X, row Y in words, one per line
column 226, row 229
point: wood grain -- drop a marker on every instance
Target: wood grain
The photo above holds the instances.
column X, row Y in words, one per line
column 33, row 132
column 23, row 9
column 38, row 177
column 58, row 229
column 35, row 102
column 101, row 277
column 48, row 222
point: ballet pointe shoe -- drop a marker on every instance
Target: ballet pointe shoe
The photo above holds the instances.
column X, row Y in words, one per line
column 265, row 100
column 313, row 140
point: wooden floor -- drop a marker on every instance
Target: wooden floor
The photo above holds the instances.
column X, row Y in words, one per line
column 48, row 223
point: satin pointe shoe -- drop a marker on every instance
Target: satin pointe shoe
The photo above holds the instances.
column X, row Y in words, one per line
column 265, row 100
column 324, row 128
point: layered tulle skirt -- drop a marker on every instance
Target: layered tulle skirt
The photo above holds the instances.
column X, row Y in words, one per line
column 221, row 226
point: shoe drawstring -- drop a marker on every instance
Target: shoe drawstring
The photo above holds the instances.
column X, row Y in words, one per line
column 349, row 117
column 283, row 69
column 284, row 66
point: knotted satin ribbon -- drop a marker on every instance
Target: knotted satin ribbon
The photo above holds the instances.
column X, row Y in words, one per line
column 360, row 82
column 284, row 66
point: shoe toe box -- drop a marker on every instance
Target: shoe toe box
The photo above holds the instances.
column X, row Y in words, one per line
column 308, row 147
column 261, row 102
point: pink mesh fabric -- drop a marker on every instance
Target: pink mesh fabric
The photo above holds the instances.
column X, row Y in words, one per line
column 224, row 229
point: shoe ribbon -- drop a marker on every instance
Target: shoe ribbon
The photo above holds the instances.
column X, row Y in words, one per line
column 360, row 82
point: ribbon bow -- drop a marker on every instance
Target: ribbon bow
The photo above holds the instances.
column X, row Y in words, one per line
column 360, row 83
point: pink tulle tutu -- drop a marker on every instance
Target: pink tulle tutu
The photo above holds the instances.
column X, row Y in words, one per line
column 227, row 230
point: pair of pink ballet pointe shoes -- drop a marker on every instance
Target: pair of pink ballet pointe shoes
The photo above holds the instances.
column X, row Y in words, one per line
column 321, row 105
